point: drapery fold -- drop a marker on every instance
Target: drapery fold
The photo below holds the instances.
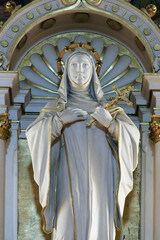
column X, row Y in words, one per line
column 84, row 173
column 46, row 155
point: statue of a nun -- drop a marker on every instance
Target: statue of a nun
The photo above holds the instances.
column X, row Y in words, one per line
column 84, row 173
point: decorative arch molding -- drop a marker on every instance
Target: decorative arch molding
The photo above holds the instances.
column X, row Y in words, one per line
column 15, row 100
column 23, row 28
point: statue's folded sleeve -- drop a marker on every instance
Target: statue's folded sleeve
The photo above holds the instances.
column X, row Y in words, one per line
column 45, row 155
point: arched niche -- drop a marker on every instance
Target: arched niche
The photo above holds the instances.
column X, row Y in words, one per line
column 116, row 19
column 39, row 21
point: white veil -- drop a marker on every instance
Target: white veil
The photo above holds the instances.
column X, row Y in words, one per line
column 95, row 89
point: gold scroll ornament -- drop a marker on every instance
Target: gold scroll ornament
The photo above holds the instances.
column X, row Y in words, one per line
column 155, row 128
column 5, row 125
column 120, row 96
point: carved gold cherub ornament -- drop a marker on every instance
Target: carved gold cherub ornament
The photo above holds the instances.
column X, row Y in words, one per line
column 12, row 7
column 150, row 10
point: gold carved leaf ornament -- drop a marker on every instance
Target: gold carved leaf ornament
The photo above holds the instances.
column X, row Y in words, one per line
column 155, row 128
column 5, row 125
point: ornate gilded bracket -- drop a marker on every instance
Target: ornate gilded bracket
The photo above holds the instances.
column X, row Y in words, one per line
column 5, row 125
column 155, row 128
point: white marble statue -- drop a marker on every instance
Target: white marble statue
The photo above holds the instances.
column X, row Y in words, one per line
column 84, row 173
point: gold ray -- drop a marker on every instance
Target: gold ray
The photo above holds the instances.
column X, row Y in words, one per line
column 103, row 53
column 49, row 66
column 37, row 86
column 56, row 49
column 125, row 86
column 117, row 78
column 43, row 97
column 136, row 90
column 43, row 76
column 111, row 67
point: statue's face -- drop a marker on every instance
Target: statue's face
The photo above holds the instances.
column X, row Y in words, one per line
column 80, row 71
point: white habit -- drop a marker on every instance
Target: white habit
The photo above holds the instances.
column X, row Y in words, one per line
column 84, row 174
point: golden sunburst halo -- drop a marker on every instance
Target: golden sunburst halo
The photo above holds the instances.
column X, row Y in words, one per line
column 71, row 48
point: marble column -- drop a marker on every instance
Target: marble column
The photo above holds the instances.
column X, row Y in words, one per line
column 4, row 135
column 147, row 184
column 155, row 137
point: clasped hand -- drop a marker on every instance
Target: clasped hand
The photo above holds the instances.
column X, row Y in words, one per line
column 102, row 116
column 70, row 115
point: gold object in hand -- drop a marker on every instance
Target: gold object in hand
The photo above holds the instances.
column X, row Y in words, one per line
column 120, row 96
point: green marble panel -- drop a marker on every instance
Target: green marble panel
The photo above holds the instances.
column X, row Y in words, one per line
column 131, row 217
column 29, row 209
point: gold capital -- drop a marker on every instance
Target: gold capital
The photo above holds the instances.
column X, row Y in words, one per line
column 5, row 125
column 155, row 128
